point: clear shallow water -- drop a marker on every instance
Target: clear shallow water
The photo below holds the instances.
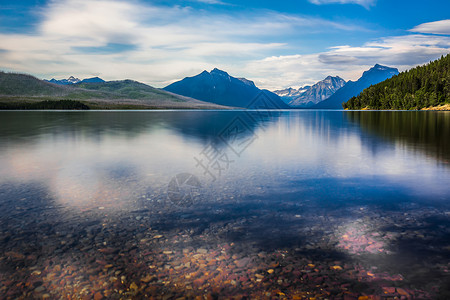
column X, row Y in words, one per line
column 230, row 203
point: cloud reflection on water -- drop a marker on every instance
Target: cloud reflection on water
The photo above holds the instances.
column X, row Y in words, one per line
column 104, row 157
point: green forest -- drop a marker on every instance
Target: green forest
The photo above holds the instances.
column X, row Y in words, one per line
column 49, row 104
column 418, row 88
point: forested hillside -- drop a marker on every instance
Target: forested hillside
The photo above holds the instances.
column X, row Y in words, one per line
column 21, row 91
column 421, row 87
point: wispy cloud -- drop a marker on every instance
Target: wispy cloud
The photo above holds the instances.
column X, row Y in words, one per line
column 365, row 3
column 216, row 2
column 349, row 62
column 118, row 39
column 438, row 27
column 154, row 44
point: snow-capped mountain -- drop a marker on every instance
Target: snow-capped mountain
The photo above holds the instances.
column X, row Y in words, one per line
column 291, row 93
column 74, row 80
column 311, row 95
column 70, row 80
column 374, row 75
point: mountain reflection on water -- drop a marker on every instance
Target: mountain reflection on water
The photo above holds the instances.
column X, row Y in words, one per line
column 300, row 204
column 426, row 132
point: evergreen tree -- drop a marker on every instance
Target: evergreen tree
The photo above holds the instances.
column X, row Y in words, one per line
column 421, row 87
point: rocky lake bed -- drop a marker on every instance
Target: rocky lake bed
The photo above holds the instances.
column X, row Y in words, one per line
column 207, row 251
column 302, row 205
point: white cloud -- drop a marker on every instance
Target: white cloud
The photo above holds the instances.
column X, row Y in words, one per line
column 166, row 43
column 365, row 3
column 403, row 52
column 162, row 43
column 438, row 27
column 211, row 2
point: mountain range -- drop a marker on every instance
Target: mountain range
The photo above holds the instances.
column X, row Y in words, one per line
column 21, row 90
column 215, row 89
column 220, row 88
column 73, row 80
column 290, row 93
column 307, row 96
column 374, row 75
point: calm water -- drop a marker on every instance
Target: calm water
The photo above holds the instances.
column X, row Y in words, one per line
column 165, row 204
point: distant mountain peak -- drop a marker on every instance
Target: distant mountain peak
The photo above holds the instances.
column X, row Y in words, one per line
column 74, row 80
column 374, row 75
column 219, row 72
column 221, row 88
column 92, row 80
column 309, row 95
column 379, row 67
column 70, row 80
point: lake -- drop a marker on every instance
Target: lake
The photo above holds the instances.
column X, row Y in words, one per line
column 246, row 204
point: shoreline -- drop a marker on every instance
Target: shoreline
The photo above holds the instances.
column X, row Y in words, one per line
column 442, row 107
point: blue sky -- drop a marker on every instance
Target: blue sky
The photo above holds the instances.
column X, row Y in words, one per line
column 275, row 43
